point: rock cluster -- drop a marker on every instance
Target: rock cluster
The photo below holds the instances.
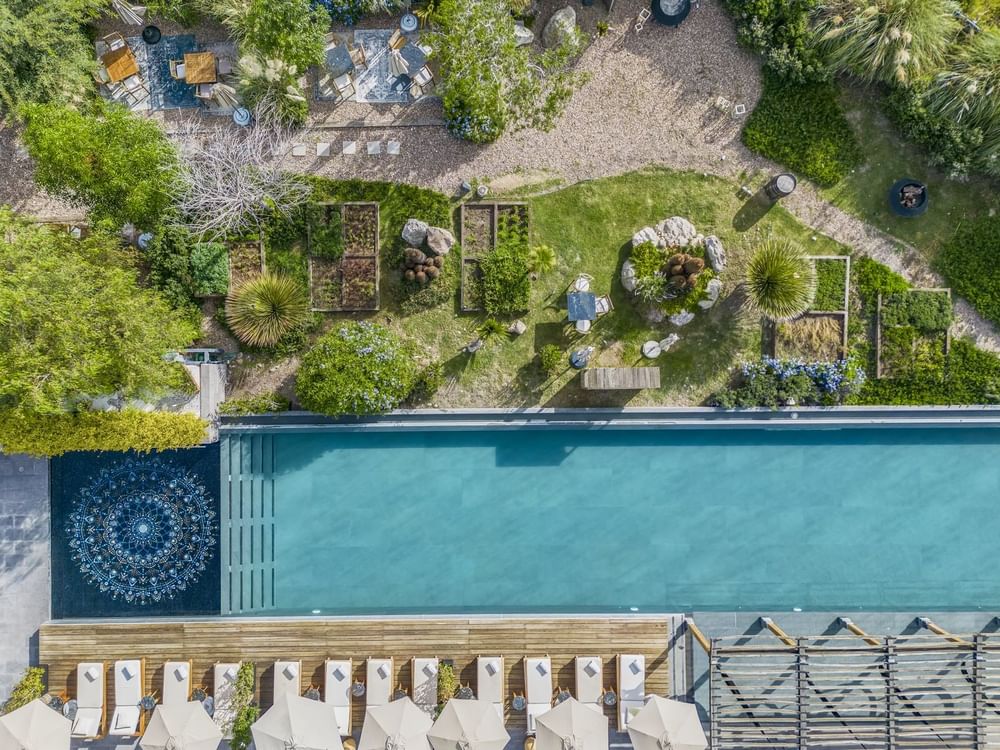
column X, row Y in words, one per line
column 419, row 267
column 683, row 271
column 423, row 259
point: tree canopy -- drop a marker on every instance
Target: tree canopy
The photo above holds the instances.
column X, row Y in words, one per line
column 74, row 321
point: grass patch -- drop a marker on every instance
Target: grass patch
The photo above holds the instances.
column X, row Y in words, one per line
column 803, row 127
column 969, row 261
column 831, row 279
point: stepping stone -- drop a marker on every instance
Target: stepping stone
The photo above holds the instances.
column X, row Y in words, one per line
column 350, row 147
column 374, row 148
column 299, row 149
column 392, row 148
column 322, row 149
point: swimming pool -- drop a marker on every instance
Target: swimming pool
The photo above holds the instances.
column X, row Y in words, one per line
column 585, row 520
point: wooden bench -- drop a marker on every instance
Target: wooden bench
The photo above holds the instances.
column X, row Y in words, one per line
column 621, row 378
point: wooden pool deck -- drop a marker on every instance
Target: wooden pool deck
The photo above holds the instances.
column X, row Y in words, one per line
column 62, row 645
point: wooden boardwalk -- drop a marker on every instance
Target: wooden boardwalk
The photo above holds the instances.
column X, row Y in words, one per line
column 621, row 378
column 63, row 645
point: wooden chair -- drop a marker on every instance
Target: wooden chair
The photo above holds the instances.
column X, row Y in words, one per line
column 423, row 77
column 358, row 56
column 344, row 85
column 114, row 41
column 397, row 40
column 604, row 305
column 177, row 69
column 204, row 91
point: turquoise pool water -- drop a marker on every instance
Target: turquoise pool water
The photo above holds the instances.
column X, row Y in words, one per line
column 591, row 520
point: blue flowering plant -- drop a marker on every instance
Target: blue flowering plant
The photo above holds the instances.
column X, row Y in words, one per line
column 774, row 382
column 357, row 368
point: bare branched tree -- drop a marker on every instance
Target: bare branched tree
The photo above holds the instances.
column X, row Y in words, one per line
column 230, row 181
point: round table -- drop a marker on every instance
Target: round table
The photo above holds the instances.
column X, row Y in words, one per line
column 358, row 689
column 518, row 703
column 408, row 23
column 198, row 695
column 563, row 696
column 610, row 698
column 209, row 705
column 56, row 703
column 580, row 357
column 312, row 694
column 651, row 349
column 241, row 116
column 151, row 35
column 147, row 703
column 69, row 709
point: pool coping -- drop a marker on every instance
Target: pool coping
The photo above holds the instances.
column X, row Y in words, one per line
column 624, row 418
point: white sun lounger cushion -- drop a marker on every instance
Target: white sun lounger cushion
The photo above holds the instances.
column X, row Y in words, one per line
column 538, row 687
column 125, row 722
column 225, row 687
column 176, row 682
column 230, row 674
column 337, row 692
column 492, row 667
column 425, row 684
column 383, row 671
column 489, row 681
column 589, row 685
column 379, row 672
column 128, row 683
column 87, row 722
column 286, row 678
column 90, row 685
column 632, row 677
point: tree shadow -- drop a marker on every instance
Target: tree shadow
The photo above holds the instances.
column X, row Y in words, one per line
column 755, row 209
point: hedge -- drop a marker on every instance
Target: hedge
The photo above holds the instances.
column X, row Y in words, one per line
column 969, row 262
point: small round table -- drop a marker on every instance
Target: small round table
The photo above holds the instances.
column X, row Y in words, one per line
column 241, row 116
column 465, row 693
column 209, row 705
column 408, row 23
column 312, row 694
column 563, row 696
column 358, row 689
column 152, row 35
column 198, row 695
column 56, row 703
column 518, row 703
column 610, row 699
column 147, row 703
column 69, row 709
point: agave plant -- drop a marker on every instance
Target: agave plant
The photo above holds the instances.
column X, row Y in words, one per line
column 266, row 308
column 780, row 280
column 893, row 41
column 541, row 259
column 491, row 330
column 969, row 90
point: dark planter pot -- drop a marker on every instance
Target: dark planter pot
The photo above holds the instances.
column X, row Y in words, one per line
column 896, row 198
column 151, row 35
column 671, row 12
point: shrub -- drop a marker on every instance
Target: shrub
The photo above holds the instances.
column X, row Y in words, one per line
column 428, row 382
column 505, row 283
column 892, row 41
column 550, row 357
column 781, row 281
column 926, row 312
column 542, row 259
column 830, row 283
column 266, row 308
column 244, row 712
column 647, row 260
column 210, row 268
column 968, row 261
column 29, row 687
column 969, row 89
column 117, row 163
column 55, row 434
column 358, row 368
column 778, row 30
column 803, row 127
column 292, row 31
column 268, row 83
column 774, row 382
column 448, row 684
column 326, row 231
column 168, row 267
column 872, row 278
column 263, row 403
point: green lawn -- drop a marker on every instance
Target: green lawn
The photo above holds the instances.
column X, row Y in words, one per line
column 887, row 157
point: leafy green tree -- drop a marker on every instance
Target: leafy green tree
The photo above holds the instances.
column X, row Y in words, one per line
column 892, row 41
column 358, row 368
column 74, row 321
column 117, row 163
column 45, row 55
column 293, row 31
column 488, row 84
column 780, row 280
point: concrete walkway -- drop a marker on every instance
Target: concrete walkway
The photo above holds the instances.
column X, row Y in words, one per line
column 24, row 563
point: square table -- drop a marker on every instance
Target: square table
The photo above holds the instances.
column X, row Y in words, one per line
column 338, row 60
column 120, row 64
column 581, row 306
column 415, row 57
column 199, row 67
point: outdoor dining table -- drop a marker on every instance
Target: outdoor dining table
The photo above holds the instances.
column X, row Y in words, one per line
column 338, row 60
column 581, row 306
column 120, row 64
column 199, row 67
column 415, row 57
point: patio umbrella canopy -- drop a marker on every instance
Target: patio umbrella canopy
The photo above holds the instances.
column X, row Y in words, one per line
column 299, row 723
column 397, row 64
column 181, row 726
column 34, row 727
column 399, row 725
column 664, row 724
column 572, row 726
column 468, row 725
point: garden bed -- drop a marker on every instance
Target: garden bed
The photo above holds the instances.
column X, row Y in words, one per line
column 820, row 334
column 343, row 250
column 246, row 261
column 913, row 333
column 483, row 225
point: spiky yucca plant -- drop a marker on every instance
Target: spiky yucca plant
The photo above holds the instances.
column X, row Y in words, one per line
column 491, row 330
column 541, row 259
column 266, row 308
column 969, row 90
column 893, row 41
column 780, row 280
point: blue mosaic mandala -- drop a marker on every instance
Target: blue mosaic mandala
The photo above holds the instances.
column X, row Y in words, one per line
column 142, row 530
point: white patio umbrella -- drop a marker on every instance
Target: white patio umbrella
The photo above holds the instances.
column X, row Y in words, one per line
column 34, row 727
column 296, row 723
column 399, row 725
column 571, row 726
column 664, row 724
column 397, row 64
column 181, row 726
column 468, row 725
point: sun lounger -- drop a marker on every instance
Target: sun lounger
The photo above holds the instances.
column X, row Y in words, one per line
column 89, row 699
column 425, row 684
column 590, row 682
column 490, row 681
column 176, row 682
column 287, row 678
column 337, row 692
column 128, row 693
column 631, row 687
column 225, row 688
column 379, row 678
column 537, row 687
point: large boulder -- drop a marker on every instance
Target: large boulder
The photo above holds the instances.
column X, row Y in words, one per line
column 712, row 291
column 646, row 234
column 439, row 241
column 523, row 36
column 560, row 25
column 415, row 232
column 628, row 276
column 682, row 318
column 676, row 231
column 715, row 253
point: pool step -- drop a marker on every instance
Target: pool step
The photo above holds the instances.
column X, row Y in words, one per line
column 246, row 523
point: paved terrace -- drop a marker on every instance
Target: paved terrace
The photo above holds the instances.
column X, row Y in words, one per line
column 263, row 641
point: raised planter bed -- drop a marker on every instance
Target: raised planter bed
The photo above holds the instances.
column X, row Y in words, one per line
column 820, row 334
column 481, row 226
column 343, row 249
column 901, row 347
column 246, row 261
